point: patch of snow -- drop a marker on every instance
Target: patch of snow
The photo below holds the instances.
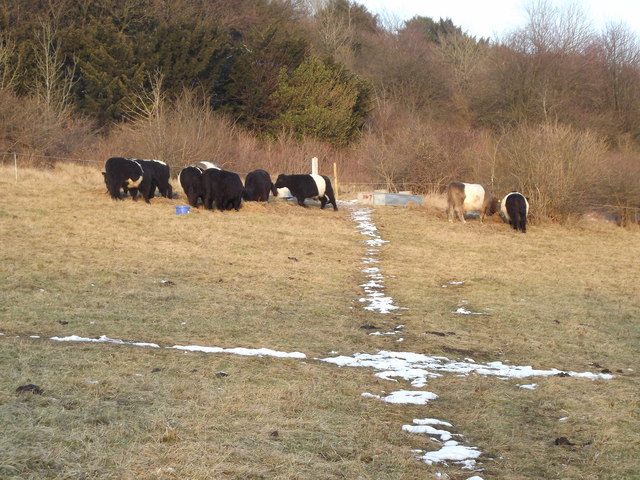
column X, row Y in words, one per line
column 251, row 352
column 452, row 451
column 417, row 367
column 374, row 287
column 427, row 430
column 431, row 421
column 529, row 387
column 257, row 352
column 464, row 311
column 370, row 395
column 410, row 397
column 103, row 339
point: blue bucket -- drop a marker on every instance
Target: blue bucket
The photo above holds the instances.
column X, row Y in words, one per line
column 182, row 209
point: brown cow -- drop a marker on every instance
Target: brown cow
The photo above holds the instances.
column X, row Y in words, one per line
column 463, row 197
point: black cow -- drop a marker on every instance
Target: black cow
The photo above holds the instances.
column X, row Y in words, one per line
column 156, row 175
column 257, row 186
column 223, row 188
column 190, row 179
column 122, row 173
column 308, row 186
column 515, row 208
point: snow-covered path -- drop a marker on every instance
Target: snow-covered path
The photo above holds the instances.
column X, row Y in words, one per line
column 374, row 288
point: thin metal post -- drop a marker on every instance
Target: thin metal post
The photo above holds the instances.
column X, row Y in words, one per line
column 15, row 164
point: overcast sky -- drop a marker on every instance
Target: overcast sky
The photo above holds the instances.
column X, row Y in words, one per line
column 488, row 18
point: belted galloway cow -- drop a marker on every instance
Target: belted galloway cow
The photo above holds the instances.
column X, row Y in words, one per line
column 133, row 175
column 466, row 197
column 122, row 174
column 515, row 209
column 222, row 189
column 257, row 185
column 308, row 186
column 156, row 175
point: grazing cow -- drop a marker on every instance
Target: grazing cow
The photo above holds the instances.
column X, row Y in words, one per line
column 190, row 179
column 515, row 208
column 308, row 186
column 156, row 175
column 257, row 186
column 122, row 173
column 223, row 188
column 463, row 197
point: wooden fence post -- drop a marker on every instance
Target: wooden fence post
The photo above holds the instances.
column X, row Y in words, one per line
column 15, row 164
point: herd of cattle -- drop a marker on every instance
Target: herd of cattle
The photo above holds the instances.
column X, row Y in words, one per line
column 206, row 183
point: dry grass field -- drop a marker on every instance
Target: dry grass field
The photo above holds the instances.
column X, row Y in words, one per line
column 75, row 262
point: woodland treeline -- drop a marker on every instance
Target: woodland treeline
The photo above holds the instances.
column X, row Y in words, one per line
column 551, row 109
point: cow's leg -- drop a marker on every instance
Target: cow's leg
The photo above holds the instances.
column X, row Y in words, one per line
column 114, row 190
column 515, row 220
column 301, row 201
column 332, row 200
column 323, row 202
column 147, row 191
column 192, row 197
column 518, row 221
column 523, row 218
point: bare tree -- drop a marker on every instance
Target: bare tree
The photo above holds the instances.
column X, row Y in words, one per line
column 8, row 71
column 621, row 51
column 54, row 80
column 334, row 27
column 555, row 29
column 464, row 54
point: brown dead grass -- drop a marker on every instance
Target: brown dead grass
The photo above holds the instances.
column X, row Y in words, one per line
column 282, row 277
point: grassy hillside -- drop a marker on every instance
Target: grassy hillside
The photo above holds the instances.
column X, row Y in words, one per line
column 74, row 262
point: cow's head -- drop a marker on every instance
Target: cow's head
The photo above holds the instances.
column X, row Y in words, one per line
column 494, row 205
column 281, row 181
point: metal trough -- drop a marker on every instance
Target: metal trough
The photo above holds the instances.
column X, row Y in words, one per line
column 401, row 199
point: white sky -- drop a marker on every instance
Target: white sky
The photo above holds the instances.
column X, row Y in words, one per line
column 491, row 18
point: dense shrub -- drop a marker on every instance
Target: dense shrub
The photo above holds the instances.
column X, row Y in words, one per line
column 557, row 167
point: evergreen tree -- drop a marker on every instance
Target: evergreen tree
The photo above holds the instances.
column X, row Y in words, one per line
column 255, row 74
column 323, row 100
column 111, row 67
column 190, row 55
